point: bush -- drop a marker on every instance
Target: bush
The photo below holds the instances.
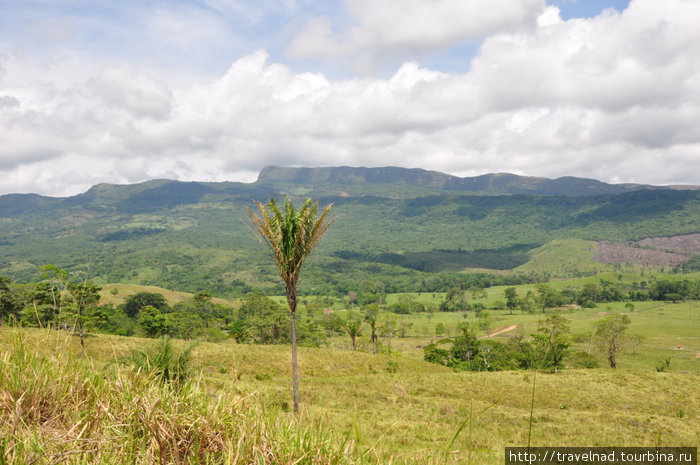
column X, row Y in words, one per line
column 164, row 363
column 392, row 366
column 215, row 335
column 582, row 360
column 433, row 354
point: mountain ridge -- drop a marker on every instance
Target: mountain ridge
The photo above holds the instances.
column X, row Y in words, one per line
column 492, row 183
column 388, row 181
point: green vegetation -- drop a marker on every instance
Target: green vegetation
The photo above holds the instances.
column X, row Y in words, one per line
column 563, row 258
column 410, row 234
column 441, row 320
column 357, row 407
column 417, row 407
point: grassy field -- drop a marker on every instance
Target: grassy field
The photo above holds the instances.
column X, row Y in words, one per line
column 356, row 407
column 399, row 409
column 664, row 330
column 109, row 296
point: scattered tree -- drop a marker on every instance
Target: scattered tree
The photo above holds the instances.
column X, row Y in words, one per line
column 388, row 327
column 373, row 328
column 85, row 298
column 152, row 321
column 332, row 323
column 484, row 322
column 202, row 302
column 552, row 341
column 354, row 330
column 134, row 303
column 636, row 339
column 439, row 329
column 609, row 332
column 455, row 301
column 290, row 236
column 511, row 296
column 57, row 279
column 545, row 296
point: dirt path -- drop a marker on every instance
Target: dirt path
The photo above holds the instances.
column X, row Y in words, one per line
column 504, row 330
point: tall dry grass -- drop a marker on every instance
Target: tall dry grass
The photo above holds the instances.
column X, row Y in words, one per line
column 57, row 407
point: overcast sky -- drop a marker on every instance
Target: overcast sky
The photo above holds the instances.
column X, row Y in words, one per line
column 124, row 91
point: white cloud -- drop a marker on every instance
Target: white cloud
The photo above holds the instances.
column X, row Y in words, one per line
column 387, row 30
column 131, row 90
column 616, row 97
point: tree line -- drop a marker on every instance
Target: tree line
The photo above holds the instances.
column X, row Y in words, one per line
column 547, row 348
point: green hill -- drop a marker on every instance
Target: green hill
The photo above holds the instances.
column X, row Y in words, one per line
column 402, row 228
column 365, row 181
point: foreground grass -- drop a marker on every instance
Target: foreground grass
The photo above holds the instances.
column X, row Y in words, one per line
column 56, row 407
column 59, row 408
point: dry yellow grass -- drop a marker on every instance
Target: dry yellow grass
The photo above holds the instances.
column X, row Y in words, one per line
column 411, row 416
column 125, row 290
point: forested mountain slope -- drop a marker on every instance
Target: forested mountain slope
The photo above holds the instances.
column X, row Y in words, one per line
column 392, row 225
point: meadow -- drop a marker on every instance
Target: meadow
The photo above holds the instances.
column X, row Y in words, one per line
column 356, row 407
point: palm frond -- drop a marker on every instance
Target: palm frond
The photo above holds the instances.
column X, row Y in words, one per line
column 289, row 235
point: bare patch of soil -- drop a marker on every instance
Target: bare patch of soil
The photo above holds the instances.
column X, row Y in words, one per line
column 652, row 251
column 687, row 243
column 609, row 252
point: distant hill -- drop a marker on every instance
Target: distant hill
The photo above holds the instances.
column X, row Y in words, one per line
column 387, row 182
column 334, row 178
column 394, row 226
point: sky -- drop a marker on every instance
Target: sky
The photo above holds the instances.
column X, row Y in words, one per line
column 95, row 91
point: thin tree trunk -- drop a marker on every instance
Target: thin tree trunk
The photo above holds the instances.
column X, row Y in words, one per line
column 292, row 301
column 295, row 371
column 55, row 307
column 82, row 337
column 469, row 356
column 37, row 315
column 612, row 352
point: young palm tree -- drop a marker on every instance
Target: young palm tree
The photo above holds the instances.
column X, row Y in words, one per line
column 290, row 236
column 354, row 330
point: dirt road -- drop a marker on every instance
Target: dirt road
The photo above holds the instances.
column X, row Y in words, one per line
column 504, row 330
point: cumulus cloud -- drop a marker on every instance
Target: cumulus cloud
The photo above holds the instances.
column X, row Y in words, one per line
column 131, row 90
column 615, row 97
column 390, row 29
column 8, row 101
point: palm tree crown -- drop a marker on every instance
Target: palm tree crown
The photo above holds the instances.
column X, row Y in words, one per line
column 290, row 236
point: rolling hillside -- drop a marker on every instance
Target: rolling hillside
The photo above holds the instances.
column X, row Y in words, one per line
column 397, row 226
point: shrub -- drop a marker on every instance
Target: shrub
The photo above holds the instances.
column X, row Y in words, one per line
column 164, row 363
column 582, row 360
